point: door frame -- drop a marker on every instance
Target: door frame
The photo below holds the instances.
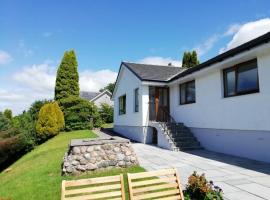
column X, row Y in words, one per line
column 156, row 101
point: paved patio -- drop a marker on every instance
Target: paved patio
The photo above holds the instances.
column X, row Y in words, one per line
column 240, row 179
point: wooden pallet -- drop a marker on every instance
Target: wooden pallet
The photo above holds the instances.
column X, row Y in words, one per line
column 161, row 184
column 110, row 187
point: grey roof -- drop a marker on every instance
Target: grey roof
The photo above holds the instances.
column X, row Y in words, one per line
column 89, row 95
column 146, row 72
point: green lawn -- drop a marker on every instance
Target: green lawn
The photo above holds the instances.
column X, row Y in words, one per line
column 37, row 175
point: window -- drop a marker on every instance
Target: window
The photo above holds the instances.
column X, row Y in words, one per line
column 187, row 92
column 241, row 79
column 136, row 100
column 122, row 105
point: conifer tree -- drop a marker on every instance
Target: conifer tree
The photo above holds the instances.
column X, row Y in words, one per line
column 190, row 59
column 67, row 79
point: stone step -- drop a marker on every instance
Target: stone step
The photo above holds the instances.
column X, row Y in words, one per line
column 187, row 144
column 190, row 148
column 185, row 139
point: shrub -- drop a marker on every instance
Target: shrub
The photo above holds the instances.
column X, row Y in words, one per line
column 12, row 148
column 199, row 188
column 106, row 113
column 8, row 114
column 80, row 114
column 5, row 123
column 50, row 120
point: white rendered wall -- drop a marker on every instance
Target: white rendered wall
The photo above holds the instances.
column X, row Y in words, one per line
column 212, row 110
column 105, row 98
column 128, row 82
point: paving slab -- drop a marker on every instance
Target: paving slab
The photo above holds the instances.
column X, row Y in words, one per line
column 240, row 178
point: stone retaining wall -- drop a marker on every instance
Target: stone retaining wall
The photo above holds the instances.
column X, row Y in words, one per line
column 92, row 154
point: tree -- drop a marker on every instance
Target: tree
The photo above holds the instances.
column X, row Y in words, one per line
column 8, row 114
column 80, row 114
column 4, row 122
column 190, row 59
column 67, row 79
column 109, row 87
column 50, row 120
column 106, row 113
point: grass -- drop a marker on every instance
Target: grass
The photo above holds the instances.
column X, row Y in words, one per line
column 37, row 175
column 108, row 125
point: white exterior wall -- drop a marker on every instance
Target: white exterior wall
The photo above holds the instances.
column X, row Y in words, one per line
column 212, row 110
column 105, row 98
column 237, row 125
column 128, row 83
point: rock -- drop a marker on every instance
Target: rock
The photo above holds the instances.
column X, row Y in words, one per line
column 97, row 148
column 83, row 161
column 83, row 149
column 90, row 166
column 89, row 149
column 66, row 164
column 112, row 157
column 75, row 162
column 116, row 149
column 80, row 168
column 121, row 163
column 87, row 156
column 92, row 160
column 128, row 153
column 127, row 159
column 93, row 154
column 70, row 169
column 120, row 156
column 133, row 159
column 76, row 150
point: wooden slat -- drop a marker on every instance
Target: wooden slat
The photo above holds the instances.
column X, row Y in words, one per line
column 95, row 196
column 90, row 181
column 152, row 173
column 130, row 187
column 157, row 194
column 179, row 184
column 63, row 190
column 170, row 198
column 153, row 181
column 92, row 189
column 155, row 187
column 122, row 187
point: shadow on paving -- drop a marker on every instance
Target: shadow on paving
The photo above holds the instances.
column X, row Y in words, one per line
column 246, row 163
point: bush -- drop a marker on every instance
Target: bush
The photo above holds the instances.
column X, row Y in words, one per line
column 199, row 188
column 80, row 114
column 106, row 113
column 50, row 120
column 5, row 123
column 12, row 148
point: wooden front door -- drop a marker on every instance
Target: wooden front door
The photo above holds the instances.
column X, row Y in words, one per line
column 158, row 103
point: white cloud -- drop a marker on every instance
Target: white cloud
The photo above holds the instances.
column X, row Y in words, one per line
column 4, row 57
column 37, row 82
column 247, row 32
column 232, row 29
column 27, row 52
column 94, row 80
column 40, row 78
column 160, row 61
column 203, row 48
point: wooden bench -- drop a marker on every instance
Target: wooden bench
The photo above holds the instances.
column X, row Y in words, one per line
column 161, row 184
column 110, row 187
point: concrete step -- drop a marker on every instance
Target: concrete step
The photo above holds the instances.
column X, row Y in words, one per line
column 187, row 144
column 191, row 148
column 184, row 139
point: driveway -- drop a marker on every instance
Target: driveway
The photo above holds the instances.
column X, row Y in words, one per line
column 239, row 178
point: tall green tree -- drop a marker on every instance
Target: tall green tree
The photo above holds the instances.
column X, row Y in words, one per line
column 190, row 59
column 109, row 87
column 67, row 79
column 8, row 114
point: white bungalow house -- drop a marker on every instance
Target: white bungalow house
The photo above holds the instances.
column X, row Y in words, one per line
column 98, row 98
column 222, row 104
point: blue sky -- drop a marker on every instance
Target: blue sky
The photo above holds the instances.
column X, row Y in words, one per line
column 35, row 34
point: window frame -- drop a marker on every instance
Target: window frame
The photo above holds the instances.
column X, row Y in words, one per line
column 120, row 112
column 136, row 100
column 180, row 93
column 235, row 69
